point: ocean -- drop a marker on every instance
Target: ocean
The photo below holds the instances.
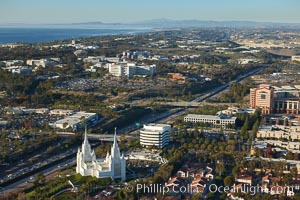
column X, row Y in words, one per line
column 37, row 35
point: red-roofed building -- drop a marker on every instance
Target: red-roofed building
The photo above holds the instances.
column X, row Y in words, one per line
column 245, row 179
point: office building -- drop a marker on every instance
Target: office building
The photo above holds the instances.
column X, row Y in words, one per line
column 157, row 135
column 216, row 120
column 75, row 120
column 273, row 100
column 261, row 97
column 124, row 69
column 296, row 58
column 43, row 62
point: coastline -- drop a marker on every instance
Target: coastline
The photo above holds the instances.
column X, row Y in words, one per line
column 34, row 35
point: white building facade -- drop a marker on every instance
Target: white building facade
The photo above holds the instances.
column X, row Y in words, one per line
column 74, row 120
column 112, row 166
column 124, row 69
column 157, row 135
column 219, row 120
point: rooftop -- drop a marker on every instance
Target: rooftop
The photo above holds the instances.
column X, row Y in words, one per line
column 212, row 117
column 157, row 125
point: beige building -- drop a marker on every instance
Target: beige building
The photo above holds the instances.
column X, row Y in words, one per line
column 261, row 97
column 279, row 132
column 296, row 58
column 272, row 99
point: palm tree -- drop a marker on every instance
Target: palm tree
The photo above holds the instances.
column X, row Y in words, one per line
column 65, row 126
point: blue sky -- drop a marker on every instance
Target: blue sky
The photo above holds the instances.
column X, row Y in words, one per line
column 62, row 11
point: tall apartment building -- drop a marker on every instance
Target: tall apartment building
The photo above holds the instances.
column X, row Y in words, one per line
column 155, row 135
column 272, row 99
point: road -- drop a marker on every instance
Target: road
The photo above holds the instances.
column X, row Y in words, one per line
column 23, row 182
column 133, row 129
column 214, row 92
column 189, row 104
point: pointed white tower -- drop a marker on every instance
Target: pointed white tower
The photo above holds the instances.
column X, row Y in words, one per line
column 118, row 164
column 115, row 151
column 85, row 155
column 113, row 165
column 86, row 148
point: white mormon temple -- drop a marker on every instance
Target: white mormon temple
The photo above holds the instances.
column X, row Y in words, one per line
column 113, row 166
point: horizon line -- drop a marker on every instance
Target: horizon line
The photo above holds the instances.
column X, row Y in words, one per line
column 140, row 21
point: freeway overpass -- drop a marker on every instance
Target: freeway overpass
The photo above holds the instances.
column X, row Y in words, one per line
column 106, row 137
column 194, row 104
column 95, row 137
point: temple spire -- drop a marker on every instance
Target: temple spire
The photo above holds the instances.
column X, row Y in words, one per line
column 86, row 141
column 85, row 135
column 115, row 151
column 115, row 139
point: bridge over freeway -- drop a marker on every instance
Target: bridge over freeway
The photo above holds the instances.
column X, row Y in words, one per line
column 194, row 104
column 99, row 137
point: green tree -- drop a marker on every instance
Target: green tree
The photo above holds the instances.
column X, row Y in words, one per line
column 196, row 196
column 294, row 171
column 39, row 179
column 228, row 180
column 289, row 156
column 244, row 129
column 65, row 126
column 255, row 129
column 287, row 179
column 235, row 171
column 196, row 131
column 211, row 196
column 220, row 168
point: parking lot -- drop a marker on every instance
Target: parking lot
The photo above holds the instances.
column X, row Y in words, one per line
column 81, row 84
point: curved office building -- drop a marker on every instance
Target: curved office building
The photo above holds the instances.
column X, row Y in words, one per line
column 157, row 135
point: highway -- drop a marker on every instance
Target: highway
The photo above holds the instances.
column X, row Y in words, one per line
column 222, row 88
column 190, row 104
column 214, row 92
column 23, row 182
column 132, row 130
